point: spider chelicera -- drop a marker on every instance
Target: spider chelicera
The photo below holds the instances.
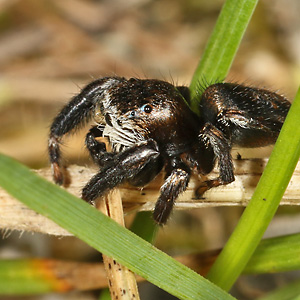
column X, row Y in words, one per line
column 151, row 127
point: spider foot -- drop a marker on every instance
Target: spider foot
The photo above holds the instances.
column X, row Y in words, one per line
column 207, row 185
column 89, row 196
column 89, row 201
column 57, row 174
column 60, row 175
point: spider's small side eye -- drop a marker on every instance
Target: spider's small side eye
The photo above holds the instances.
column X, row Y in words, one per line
column 132, row 113
column 147, row 108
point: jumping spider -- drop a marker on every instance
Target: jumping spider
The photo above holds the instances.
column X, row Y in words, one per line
column 151, row 127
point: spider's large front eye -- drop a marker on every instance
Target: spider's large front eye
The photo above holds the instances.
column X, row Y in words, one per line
column 147, row 108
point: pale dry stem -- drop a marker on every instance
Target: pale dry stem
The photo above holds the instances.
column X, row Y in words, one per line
column 121, row 281
column 16, row 216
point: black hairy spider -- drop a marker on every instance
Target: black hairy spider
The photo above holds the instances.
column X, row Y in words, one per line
column 150, row 127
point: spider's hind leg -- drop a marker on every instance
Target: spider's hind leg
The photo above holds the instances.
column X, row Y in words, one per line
column 216, row 140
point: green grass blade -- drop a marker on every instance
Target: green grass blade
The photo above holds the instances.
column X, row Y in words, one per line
column 288, row 292
column 26, row 277
column 263, row 204
column 144, row 226
column 104, row 234
column 222, row 45
column 278, row 254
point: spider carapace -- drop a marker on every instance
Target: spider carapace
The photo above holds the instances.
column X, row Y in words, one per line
column 151, row 127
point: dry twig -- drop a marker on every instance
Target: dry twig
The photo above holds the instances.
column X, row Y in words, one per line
column 121, row 281
column 15, row 216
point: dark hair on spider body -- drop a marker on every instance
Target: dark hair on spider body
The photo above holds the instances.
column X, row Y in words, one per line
column 151, row 127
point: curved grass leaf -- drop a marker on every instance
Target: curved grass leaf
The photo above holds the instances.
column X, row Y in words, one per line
column 278, row 254
column 288, row 292
column 104, row 234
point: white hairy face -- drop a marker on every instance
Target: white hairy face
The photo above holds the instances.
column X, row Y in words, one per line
column 120, row 130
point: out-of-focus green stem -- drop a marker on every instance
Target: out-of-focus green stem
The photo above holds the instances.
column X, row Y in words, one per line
column 278, row 254
column 288, row 292
column 23, row 277
column 222, row 45
column 144, row 226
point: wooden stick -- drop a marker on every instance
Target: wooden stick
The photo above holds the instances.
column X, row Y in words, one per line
column 16, row 216
column 121, row 281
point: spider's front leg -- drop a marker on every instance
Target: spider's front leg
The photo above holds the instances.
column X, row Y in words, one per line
column 177, row 179
column 123, row 166
column 214, row 138
column 76, row 113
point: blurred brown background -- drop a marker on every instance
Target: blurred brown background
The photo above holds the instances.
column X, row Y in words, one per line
column 50, row 49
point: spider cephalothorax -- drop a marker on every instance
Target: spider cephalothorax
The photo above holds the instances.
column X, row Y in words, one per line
column 150, row 127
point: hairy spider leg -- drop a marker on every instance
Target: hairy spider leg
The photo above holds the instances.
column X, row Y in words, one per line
column 214, row 138
column 76, row 113
column 177, row 179
column 124, row 166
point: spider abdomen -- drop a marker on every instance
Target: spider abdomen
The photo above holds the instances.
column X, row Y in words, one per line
column 248, row 116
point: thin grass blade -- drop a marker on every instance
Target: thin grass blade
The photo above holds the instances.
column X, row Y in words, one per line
column 222, row 45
